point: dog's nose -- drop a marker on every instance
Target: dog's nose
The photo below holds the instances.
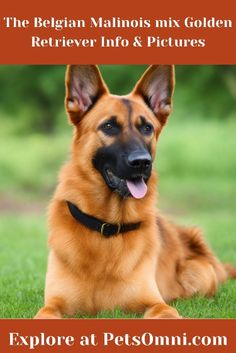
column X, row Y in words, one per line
column 139, row 160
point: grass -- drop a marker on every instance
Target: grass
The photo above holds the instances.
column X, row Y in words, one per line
column 197, row 168
column 23, row 264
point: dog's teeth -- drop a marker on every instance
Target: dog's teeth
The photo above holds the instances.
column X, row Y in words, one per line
column 109, row 172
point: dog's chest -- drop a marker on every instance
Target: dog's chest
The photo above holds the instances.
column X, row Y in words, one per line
column 114, row 284
column 113, row 272
column 107, row 259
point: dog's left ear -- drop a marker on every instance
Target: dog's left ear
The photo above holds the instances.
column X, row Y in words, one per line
column 156, row 88
column 84, row 85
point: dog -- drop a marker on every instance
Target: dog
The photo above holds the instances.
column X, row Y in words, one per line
column 109, row 246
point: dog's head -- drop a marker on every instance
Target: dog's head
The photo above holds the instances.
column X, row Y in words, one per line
column 116, row 135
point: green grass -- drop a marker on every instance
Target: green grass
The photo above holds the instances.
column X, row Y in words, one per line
column 22, row 263
column 197, row 167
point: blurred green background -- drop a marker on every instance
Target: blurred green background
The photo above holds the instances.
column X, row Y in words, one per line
column 196, row 162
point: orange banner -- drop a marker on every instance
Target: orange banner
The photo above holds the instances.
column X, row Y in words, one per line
column 181, row 32
column 117, row 336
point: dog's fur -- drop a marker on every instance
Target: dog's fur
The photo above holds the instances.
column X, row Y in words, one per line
column 140, row 270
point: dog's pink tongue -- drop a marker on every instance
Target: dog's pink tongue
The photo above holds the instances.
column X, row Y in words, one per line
column 138, row 189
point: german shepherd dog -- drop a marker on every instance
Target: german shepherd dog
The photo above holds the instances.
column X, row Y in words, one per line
column 109, row 246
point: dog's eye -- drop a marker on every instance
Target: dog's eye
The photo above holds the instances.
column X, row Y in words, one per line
column 107, row 126
column 146, row 129
column 111, row 127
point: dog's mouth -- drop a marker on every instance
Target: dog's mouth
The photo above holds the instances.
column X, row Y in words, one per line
column 135, row 186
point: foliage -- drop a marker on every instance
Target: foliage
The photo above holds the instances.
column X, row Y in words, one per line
column 32, row 96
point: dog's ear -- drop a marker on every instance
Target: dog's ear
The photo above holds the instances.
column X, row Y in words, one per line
column 84, row 85
column 156, row 88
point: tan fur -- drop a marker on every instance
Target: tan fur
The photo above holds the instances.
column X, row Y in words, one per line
column 136, row 271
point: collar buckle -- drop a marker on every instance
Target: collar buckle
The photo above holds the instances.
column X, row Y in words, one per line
column 118, row 228
column 104, row 225
column 102, row 228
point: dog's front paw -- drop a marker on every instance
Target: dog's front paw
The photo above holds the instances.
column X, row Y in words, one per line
column 47, row 313
column 162, row 311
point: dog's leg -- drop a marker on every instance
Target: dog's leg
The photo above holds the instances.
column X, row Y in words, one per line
column 161, row 311
column 156, row 308
column 52, row 310
column 197, row 276
column 201, row 272
column 61, row 291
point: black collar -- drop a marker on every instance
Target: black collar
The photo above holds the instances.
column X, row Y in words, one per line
column 106, row 229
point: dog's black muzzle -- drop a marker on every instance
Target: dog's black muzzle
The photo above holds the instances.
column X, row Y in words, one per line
column 121, row 164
